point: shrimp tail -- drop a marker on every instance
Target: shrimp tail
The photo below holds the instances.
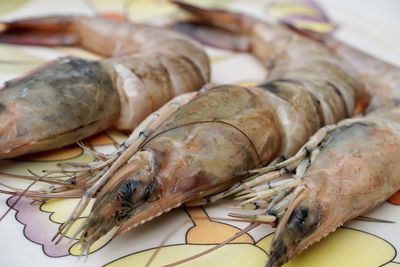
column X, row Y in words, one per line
column 212, row 36
column 227, row 20
column 216, row 27
column 46, row 31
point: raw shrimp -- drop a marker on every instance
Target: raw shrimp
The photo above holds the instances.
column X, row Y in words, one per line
column 355, row 168
column 188, row 151
column 343, row 171
column 69, row 99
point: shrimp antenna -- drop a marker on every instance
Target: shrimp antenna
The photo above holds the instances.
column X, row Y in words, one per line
column 238, row 234
column 44, row 178
column 375, row 220
column 38, row 178
column 164, row 241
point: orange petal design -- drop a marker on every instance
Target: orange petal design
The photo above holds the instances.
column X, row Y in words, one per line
column 99, row 140
column 64, row 153
column 249, row 83
column 113, row 16
column 395, row 199
column 206, row 231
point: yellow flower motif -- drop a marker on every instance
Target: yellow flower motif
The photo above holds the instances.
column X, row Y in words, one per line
column 145, row 10
column 60, row 210
column 15, row 61
column 9, row 6
column 345, row 247
column 285, row 9
column 233, row 255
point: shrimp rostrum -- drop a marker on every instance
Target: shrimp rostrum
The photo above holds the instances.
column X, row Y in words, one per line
column 70, row 98
column 185, row 152
column 344, row 170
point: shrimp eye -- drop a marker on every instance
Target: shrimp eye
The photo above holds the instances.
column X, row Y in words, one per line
column 304, row 221
column 132, row 192
column 300, row 216
column 126, row 189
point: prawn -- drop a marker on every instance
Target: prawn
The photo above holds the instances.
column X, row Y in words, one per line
column 192, row 148
column 350, row 168
column 70, row 98
column 344, row 170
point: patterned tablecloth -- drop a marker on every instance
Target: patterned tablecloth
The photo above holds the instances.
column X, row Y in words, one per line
column 26, row 232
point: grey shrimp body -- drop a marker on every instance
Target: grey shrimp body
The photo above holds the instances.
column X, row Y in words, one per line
column 69, row 99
